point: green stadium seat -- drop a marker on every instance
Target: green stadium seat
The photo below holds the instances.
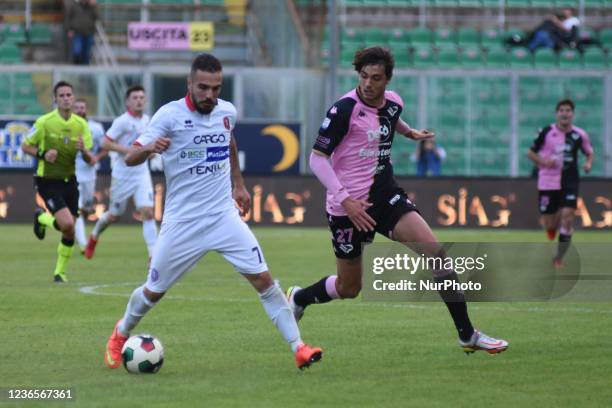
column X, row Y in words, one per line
column 468, row 37
column 347, row 54
column 545, row 58
column 472, row 58
column 570, row 59
column 517, row 3
column 595, row 3
column 491, row 3
column 587, row 33
column 497, row 57
column 446, row 3
column 449, row 58
column 13, row 33
column 376, row 36
column 605, row 36
column 351, row 35
column 445, row 38
column 182, row 2
column 521, row 58
column 490, row 37
column 595, row 58
column 549, row 4
column 470, row 3
column 423, row 58
column 399, row 35
column 515, row 33
column 111, row 2
column 10, row 54
column 420, row 37
column 40, row 33
column 353, row 3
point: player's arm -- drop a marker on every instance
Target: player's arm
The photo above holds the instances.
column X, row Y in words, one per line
column 405, row 129
column 32, row 142
column 85, row 144
column 239, row 191
column 355, row 209
column 587, row 150
column 533, row 151
column 138, row 154
column 110, row 144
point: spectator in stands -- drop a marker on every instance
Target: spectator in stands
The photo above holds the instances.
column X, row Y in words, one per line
column 558, row 31
column 81, row 17
column 429, row 158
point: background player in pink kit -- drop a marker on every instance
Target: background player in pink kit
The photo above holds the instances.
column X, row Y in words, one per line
column 555, row 152
column 194, row 137
column 363, row 197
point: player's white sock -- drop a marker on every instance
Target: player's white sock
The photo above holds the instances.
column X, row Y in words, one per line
column 79, row 231
column 137, row 307
column 103, row 222
column 277, row 308
column 149, row 232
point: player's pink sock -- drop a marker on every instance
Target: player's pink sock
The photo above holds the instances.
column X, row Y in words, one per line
column 330, row 287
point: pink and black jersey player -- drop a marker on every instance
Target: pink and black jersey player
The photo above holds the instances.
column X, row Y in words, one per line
column 352, row 158
column 555, row 152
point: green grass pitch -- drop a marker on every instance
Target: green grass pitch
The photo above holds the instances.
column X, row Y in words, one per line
column 221, row 349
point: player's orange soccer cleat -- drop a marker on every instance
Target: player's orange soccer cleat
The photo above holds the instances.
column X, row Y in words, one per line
column 114, row 345
column 306, row 355
column 90, row 248
column 551, row 233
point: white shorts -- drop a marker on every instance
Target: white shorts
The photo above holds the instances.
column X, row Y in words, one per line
column 86, row 194
column 180, row 245
column 121, row 191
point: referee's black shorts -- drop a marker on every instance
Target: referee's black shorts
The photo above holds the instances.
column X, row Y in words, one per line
column 59, row 193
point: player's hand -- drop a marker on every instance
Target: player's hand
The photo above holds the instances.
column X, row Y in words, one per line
column 51, row 156
column 422, row 134
column 93, row 160
column 356, row 211
column 79, row 144
column 547, row 163
column 587, row 167
column 160, row 145
column 242, row 198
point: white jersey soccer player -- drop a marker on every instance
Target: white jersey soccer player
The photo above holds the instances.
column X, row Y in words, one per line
column 86, row 172
column 127, row 182
column 194, row 137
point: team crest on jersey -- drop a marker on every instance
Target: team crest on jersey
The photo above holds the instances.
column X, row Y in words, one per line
column 392, row 110
column 226, row 122
column 66, row 140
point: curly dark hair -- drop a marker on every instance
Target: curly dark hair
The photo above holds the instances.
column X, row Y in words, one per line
column 374, row 56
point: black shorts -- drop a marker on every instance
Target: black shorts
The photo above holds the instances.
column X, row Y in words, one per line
column 347, row 240
column 59, row 194
column 550, row 201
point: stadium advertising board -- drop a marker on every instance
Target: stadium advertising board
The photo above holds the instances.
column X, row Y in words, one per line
column 170, row 36
column 299, row 201
column 264, row 148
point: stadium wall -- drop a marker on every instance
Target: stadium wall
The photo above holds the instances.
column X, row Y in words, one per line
column 299, row 201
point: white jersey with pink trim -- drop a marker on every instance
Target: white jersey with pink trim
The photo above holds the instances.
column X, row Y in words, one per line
column 358, row 137
column 197, row 163
column 125, row 130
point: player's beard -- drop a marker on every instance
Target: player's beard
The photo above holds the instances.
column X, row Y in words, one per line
column 206, row 111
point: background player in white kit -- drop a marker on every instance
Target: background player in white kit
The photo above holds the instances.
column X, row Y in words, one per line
column 86, row 172
column 127, row 181
column 194, row 136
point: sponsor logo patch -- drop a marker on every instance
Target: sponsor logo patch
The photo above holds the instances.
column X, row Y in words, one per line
column 325, row 123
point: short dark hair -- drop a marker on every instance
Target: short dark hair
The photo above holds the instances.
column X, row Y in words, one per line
column 374, row 56
column 133, row 88
column 61, row 84
column 207, row 63
column 565, row 102
column 81, row 100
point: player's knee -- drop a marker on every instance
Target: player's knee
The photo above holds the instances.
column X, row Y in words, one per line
column 348, row 291
column 112, row 218
column 147, row 213
column 153, row 296
column 67, row 227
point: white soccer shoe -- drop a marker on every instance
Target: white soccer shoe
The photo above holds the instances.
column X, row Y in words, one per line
column 298, row 311
column 481, row 341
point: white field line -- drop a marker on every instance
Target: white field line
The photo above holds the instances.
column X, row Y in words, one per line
column 95, row 290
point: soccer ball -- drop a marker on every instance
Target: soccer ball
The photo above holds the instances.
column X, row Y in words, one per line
column 142, row 353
